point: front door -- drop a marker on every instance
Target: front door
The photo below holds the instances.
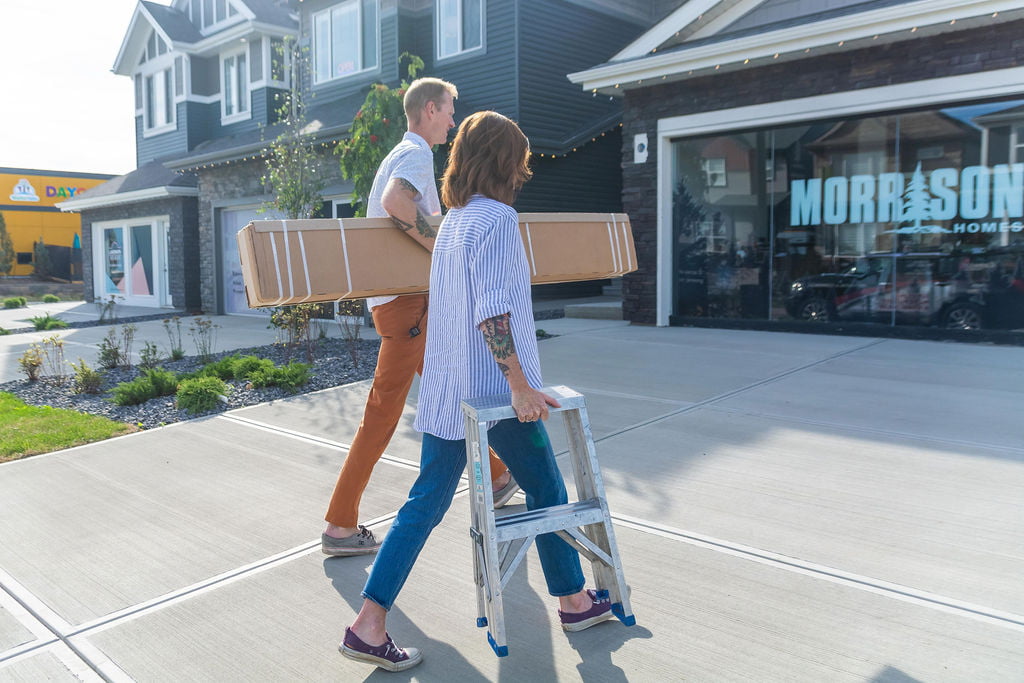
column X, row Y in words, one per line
column 129, row 262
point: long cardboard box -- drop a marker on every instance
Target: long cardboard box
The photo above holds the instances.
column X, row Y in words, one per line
column 305, row 261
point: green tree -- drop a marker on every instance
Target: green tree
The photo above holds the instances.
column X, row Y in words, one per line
column 293, row 168
column 41, row 264
column 378, row 126
column 6, row 249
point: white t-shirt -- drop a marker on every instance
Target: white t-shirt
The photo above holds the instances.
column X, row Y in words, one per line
column 411, row 160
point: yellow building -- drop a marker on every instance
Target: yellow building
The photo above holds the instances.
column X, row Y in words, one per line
column 28, row 199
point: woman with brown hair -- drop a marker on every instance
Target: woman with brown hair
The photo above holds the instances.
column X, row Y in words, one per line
column 481, row 342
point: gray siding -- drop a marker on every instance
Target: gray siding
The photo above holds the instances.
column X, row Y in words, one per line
column 589, row 179
column 559, row 37
column 772, row 11
column 165, row 144
column 486, row 79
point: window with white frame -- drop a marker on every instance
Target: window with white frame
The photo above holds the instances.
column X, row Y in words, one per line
column 460, row 26
column 345, row 40
column 159, row 98
column 234, row 86
column 207, row 13
column 155, row 86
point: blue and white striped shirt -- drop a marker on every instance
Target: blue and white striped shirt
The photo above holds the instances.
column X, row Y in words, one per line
column 478, row 270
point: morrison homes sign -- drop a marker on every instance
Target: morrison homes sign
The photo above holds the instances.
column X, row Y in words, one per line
column 984, row 199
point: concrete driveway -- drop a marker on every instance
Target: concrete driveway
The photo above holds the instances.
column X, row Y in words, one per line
column 788, row 507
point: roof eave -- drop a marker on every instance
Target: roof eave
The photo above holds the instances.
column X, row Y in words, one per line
column 147, row 194
column 888, row 24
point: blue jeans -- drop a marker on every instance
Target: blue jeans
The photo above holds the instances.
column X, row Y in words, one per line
column 526, row 449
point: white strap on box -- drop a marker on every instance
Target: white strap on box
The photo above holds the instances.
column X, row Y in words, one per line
column 344, row 255
column 529, row 249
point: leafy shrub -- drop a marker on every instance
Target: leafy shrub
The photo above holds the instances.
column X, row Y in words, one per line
column 86, row 380
column 15, row 302
column 110, row 350
column 221, row 369
column 200, row 394
column 288, row 377
column 31, row 362
column 164, row 382
column 139, row 390
column 50, row 298
column 245, row 367
column 47, row 322
column 4, row 331
column 149, row 357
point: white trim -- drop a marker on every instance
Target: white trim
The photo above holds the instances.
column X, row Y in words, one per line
column 127, row 198
column 903, row 96
column 739, row 9
column 794, row 40
column 934, row 91
column 665, row 29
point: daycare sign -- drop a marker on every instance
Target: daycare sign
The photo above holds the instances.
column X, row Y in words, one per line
column 976, row 198
column 28, row 189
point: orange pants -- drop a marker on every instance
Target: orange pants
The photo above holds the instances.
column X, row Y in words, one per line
column 399, row 359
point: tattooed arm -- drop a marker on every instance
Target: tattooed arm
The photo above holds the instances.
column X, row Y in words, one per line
column 399, row 200
column 529, row 404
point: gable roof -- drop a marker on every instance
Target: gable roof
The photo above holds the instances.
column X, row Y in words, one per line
column 173, row 25
column 150, row 181
column 691, row 42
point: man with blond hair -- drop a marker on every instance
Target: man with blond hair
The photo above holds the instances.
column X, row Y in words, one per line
column 404, row 190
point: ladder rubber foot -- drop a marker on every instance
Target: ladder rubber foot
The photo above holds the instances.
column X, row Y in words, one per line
column 501, row 651
column 481, row 622
column 621, row 614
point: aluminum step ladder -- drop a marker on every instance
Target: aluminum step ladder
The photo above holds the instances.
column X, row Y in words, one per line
column 500, row 543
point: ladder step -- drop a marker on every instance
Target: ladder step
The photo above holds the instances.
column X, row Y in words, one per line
column 547, row 520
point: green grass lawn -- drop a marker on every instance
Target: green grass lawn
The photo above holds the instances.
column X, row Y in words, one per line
column 29, row 430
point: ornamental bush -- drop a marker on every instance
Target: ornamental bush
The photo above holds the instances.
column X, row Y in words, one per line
column 200, row 394
column 378, row 126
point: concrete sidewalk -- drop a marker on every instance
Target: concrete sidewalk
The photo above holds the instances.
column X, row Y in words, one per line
column 789, row 508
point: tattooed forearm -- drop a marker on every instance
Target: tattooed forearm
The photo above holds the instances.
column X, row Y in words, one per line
column 401, row 225
column 406, row 185
column 503, row 368
column 498, row 335
column 424, row 227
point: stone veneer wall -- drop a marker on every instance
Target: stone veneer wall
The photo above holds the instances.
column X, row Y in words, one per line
column 237, row 183
column 999, row 46
column 183, row 262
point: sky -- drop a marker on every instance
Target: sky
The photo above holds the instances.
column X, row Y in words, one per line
column 62, row 109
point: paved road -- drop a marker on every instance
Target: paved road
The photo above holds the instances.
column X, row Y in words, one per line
column 788, row 507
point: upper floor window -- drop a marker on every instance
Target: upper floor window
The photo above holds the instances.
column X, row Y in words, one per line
column 460, row 26
column 234, row 87
column 158, row 112
column 207, row 13
column 345, row 39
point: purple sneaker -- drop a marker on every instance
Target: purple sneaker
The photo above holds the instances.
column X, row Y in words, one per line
column 388, row 656
column 600, row 611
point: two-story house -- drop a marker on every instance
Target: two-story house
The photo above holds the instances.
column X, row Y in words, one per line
column 205, row 75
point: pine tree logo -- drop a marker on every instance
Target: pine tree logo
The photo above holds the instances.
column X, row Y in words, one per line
column 917, row 207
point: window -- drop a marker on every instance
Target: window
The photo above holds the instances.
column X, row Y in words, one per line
column 459, row 26
column 345, row 40
column 212, row 11
column 234, row 87
column 278, row 61
column 159, row 109
column 714, row 170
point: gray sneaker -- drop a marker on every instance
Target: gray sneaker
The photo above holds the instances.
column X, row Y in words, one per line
column 361, row 543
column 503, row 495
